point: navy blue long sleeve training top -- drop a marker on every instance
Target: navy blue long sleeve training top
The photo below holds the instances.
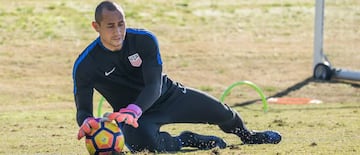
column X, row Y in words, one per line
column 132, row 75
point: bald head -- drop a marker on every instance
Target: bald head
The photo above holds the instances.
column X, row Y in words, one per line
column 106, row 5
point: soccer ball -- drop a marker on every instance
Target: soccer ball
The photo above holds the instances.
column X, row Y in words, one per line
column 108, row 139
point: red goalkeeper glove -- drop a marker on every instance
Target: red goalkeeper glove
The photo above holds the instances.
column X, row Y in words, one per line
column 88, row 125
column 128, row 115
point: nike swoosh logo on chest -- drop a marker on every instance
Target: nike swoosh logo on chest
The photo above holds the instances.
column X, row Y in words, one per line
column 109, row 72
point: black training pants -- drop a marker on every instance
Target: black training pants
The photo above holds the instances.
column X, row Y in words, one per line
column 178, row 105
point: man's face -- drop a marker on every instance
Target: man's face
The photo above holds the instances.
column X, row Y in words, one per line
column 111, row 29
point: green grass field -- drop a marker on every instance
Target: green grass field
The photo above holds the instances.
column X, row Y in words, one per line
column 204, row 44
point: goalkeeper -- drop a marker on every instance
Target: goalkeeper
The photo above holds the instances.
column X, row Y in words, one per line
column 124, row 65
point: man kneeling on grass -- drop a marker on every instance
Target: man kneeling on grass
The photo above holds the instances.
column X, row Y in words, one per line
column 124, row 65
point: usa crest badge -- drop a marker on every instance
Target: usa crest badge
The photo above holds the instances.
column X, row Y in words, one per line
column 135, row 60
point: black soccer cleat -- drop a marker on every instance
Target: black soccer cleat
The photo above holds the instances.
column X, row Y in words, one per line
column 264, row 137
column 190, row 139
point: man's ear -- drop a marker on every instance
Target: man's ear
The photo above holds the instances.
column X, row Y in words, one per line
column 96, row 26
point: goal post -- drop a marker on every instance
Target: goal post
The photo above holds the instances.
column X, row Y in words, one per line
column 322, row 67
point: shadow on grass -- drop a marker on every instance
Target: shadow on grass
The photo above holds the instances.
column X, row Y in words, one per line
column 299, row 85
column 306, row 108
column 183, row 150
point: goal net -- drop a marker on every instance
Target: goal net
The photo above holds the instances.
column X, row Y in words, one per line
column 342, row 32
